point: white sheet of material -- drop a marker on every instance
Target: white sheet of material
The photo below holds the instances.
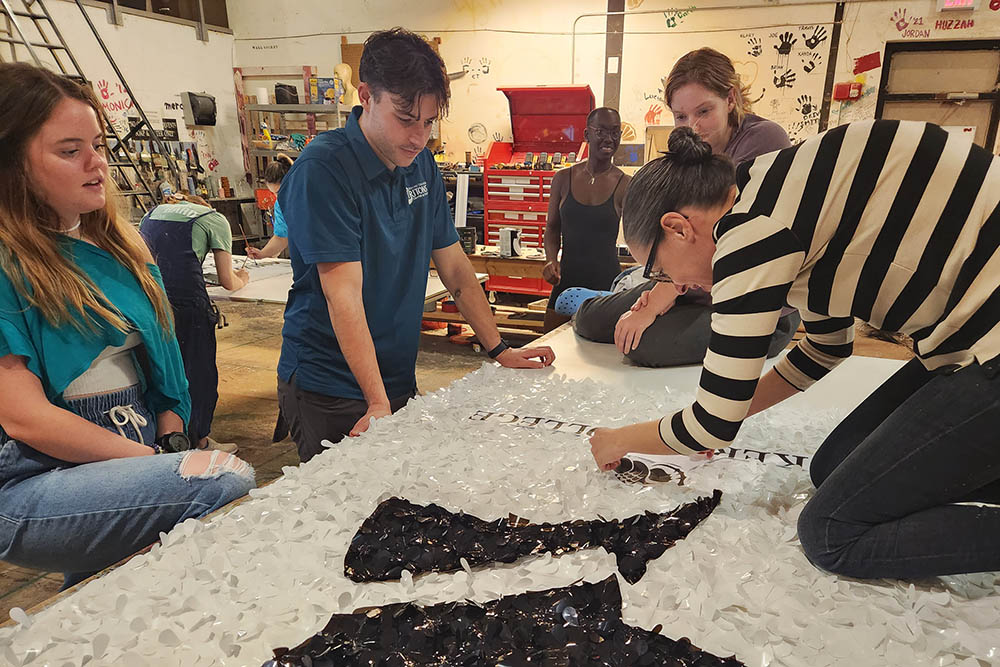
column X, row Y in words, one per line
column 270, row 572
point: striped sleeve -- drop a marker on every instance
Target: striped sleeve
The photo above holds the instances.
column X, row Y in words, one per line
column 828, row 341
column 753, row 269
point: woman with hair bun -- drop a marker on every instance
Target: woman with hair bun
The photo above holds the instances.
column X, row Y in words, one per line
column 896, row 223
column 656, row 325
column 273, row 175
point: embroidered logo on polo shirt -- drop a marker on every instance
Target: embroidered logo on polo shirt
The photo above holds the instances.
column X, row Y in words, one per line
column 415, row 192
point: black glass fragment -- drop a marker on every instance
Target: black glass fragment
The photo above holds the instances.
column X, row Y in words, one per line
column 428, row 538
column 575, row 625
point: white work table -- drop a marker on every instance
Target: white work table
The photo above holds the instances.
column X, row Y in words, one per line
column 578, row 359
column 271, row 278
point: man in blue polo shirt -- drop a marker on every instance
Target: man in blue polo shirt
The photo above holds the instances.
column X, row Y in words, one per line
column 370, row 211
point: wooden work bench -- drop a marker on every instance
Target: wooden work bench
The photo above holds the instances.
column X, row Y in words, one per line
column 516, row 320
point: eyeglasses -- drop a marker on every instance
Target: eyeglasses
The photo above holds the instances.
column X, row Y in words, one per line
column 658, row 275
column 606, row 132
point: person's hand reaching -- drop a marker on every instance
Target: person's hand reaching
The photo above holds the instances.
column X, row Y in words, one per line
column 374, row 412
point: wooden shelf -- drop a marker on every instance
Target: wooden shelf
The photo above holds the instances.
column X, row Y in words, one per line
column 530, row 321
column 299, row 108
column 273, row 152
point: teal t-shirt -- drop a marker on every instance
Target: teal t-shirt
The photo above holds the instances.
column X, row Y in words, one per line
column 58, row 355
column 280, row 227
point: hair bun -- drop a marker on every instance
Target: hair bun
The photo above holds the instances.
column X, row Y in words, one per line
column 687, row 147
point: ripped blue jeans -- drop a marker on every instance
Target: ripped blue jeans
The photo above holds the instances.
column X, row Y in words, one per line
column 80, row 518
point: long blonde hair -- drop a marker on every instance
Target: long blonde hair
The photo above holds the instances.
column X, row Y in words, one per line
column 29, row 247
column 714, row 71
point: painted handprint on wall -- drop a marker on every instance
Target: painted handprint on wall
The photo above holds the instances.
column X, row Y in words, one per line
column 819, row 35
column 674, row 17
column 652, row 116
column 899, row 18
column 805, row 105
column 784, row 79
column 755, row 49
column 476, row 70
column 811, row 62
column 784, row 46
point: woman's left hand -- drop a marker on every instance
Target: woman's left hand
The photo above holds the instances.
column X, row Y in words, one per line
column 607, row 447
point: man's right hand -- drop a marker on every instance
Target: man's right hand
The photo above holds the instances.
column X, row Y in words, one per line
column 243, row 275
column 254, row 253
column 374, row 412
column 552, row 272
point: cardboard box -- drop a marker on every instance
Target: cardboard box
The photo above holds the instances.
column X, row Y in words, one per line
column 325, row 89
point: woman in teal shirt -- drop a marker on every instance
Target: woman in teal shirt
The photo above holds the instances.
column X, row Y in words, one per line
column 278, row 243
column 91, row 380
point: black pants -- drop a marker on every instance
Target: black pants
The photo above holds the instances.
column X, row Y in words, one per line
column 676, row 338
column 888, row 476
column 312, row 417
column 195, row 325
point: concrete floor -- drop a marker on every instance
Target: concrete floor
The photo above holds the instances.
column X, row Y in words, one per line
column 248, row 352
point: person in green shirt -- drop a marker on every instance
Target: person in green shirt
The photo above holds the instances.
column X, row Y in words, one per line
column 180, row 234
column 93, row 397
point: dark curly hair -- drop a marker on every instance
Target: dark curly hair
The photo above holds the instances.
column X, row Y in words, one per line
column 404, row 64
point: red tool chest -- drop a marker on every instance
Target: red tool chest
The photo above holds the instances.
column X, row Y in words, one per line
column 544, row 119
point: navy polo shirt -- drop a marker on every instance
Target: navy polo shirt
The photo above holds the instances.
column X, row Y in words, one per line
column 344, row 205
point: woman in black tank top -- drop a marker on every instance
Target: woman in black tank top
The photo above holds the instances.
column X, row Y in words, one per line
column 584, row 215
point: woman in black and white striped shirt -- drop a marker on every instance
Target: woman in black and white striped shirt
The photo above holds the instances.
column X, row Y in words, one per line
column 893, row 222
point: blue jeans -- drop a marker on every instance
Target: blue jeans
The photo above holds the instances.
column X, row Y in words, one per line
column 888, row 476
column 80, row 518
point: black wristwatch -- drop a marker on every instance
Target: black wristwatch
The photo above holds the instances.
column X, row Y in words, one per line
column 171, row 443
column 498, row 350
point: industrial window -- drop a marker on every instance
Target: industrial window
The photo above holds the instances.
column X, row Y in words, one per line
column 185, row 10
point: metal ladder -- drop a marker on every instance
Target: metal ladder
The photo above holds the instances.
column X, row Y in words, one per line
column 133, row 184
